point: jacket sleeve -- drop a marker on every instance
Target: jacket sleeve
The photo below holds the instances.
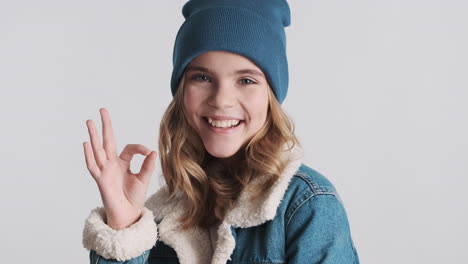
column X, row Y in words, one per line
column 128, row 245
column 318, row 232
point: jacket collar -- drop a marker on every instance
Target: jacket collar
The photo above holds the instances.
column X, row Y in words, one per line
column 195, row 245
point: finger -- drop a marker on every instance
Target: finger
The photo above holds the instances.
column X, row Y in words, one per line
column 99, row 153
column 108, row 134
column 147, row 167
column 90, row 162
column 132, row 149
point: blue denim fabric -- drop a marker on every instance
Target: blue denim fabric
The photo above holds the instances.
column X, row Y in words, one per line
column 310, row 226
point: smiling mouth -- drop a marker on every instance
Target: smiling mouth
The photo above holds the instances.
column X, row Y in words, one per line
column 222, row 123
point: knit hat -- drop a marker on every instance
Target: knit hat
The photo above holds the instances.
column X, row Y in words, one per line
column 251, row 28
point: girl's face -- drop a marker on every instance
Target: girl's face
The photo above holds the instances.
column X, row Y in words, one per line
column 226, row 99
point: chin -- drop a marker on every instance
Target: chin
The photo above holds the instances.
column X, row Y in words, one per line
column 221, row 151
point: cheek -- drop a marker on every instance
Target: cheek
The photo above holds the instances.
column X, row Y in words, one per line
column 191, row 106
column 192, row 100
column 259, row 107
column 263, row 102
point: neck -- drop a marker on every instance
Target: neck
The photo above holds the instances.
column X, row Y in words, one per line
column 228, row 162
column 234, row 160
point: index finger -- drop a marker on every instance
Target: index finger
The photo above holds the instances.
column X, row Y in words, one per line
column 108, row 134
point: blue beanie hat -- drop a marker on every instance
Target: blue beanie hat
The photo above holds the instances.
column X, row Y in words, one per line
column 251, row 28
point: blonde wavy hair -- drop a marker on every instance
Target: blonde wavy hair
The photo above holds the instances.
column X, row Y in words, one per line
column 208, row 187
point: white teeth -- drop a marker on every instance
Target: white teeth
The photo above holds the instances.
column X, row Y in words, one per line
column 223, row 123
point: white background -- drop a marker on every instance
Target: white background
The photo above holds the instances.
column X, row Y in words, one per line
column 378, row 93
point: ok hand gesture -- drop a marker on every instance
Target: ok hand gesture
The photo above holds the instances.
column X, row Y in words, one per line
column 123, row 193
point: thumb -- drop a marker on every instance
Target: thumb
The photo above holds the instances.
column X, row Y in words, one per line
column 147, row 167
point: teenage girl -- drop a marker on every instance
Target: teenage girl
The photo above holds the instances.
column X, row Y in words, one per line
column 236, row 190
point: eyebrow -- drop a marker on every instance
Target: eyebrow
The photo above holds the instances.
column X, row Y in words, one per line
column 243, row 71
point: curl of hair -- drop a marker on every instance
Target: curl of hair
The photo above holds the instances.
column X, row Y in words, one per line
column 208, row 187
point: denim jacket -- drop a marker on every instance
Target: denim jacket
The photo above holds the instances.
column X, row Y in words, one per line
column 300, row 219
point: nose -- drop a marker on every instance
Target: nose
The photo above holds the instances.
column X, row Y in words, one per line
column 222, row 96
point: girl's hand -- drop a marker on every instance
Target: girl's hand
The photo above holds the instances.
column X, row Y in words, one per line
column 123, row 193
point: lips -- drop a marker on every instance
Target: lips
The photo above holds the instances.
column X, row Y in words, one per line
column 222, row 123
column 223, row 126
column 222, row 117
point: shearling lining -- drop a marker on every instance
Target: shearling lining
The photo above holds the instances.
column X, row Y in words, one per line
column 122, row 244
column 193, row 246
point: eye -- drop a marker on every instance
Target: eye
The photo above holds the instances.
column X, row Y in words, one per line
column 199, row 77
column 248, row 81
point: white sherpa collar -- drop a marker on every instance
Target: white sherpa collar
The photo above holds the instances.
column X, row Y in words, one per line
column 194, row 245
column 246, row 213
